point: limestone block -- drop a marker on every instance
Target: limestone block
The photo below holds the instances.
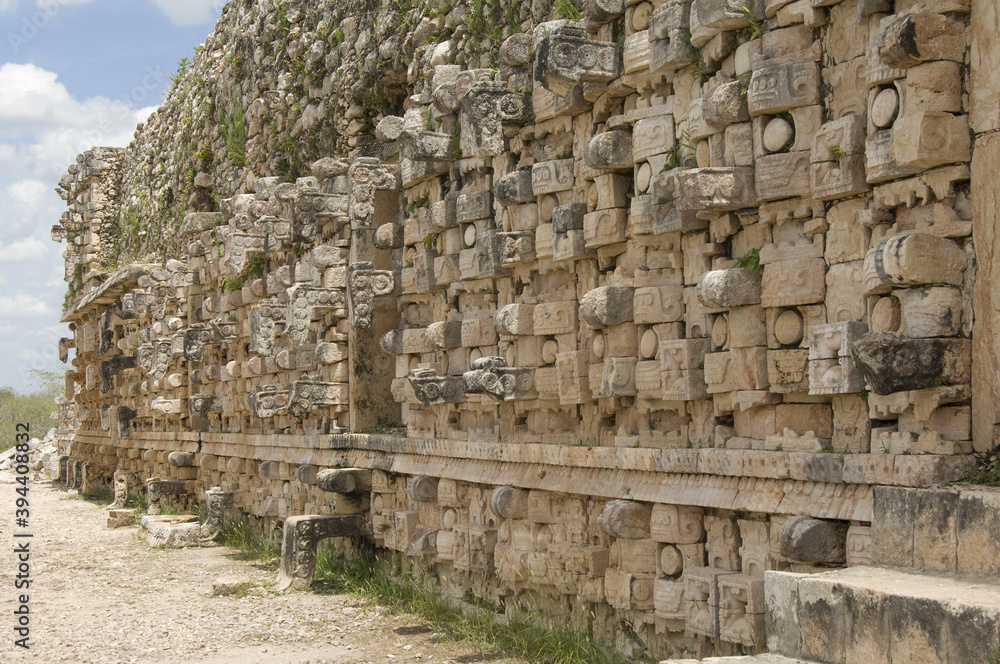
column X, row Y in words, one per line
column 668, row 599
column 930, row 312
column 606, row 306
column 724, row 105
column 549, row 177
column 515, row 319
column 908, row 40
column 777, row 88
column 794, row 282
column 658, row 304
column 625, row 519
column 893, row 363
column 605, row 227
column 611, row 190
column 741, row 608
column 565, row 57
column 808, row 540
column 715, row 189
column 652, row 136
column 618, row 377
column 551, row 318
column 925, row 139
column 788, row 370
column 603, row 11
column 722, row 543
column 676, row 524
column 781, row 599
column 701, row 593
column 779, row 176
column 669, row 46
column 723, row 289
column 978, row 531
column 610, row 150
column 629, row 591
column 635, row 53
column 514, row 188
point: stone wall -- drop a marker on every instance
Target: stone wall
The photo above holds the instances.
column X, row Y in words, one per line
column 615, row 314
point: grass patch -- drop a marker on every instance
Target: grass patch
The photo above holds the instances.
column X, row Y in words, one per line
column 101, row 496
column 521, row 635
column 242, row 533
column 137, row 503
column 986, row 472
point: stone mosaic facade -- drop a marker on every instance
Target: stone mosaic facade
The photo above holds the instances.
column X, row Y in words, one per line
column 607, row 316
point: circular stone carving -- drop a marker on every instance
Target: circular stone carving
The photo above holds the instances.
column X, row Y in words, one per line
column 885, row 316
column 671, row 561
column 474, row 355
column 885, row 107
column 703, row 153
column 777, row 133
column 546, row 205
column 720, row 331
column 643, row 177
column 649, row 344
column 788, row 327
column 470, row 235
column 549, row 350
column 598, row 345
column 640, row 16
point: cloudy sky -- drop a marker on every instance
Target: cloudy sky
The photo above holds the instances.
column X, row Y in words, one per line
column 73, row 74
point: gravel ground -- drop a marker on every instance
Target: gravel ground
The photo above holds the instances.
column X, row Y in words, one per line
column 103, row 596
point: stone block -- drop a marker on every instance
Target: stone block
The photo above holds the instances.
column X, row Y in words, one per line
column 776, row 88
column 717, row 189
column 723, row 289
column 925, row 139
column 781, row 617
column 795, row 282
column 610, row 150
column 891, row 362
column 813, row 541
column 606, row 306
column 978, row 531
column 907, row 40
column 930, row 312
column 676, row 524
column 605, row 227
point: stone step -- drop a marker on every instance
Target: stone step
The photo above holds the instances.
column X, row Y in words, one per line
column 766, row 658
column 874, row 615
column 953, row 530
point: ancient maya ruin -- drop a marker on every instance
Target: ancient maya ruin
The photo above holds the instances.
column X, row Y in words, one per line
column 666, row 319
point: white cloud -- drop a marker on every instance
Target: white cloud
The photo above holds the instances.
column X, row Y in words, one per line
column 190, row 12
column 22, row 305
column 21, row 202
column 21, row 251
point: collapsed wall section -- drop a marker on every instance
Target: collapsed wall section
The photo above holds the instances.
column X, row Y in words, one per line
column 614, row 313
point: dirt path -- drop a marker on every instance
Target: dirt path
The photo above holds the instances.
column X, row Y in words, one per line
column 103, row 596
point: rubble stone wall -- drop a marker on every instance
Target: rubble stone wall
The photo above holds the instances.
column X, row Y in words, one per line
column 616, row 306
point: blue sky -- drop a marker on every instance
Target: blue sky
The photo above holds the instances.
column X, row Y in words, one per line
column 73, row 74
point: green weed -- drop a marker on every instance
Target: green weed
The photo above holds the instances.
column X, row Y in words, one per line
column 522, row 634
column 751, row 261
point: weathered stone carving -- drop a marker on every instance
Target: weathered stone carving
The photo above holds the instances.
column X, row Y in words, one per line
column 492, row 376
column 432, row 389
column 217, row 503
column 565, row 57
column 345, row 481
column 366, row 177
column 268, row 401
column 891, row 362
column 115, row 365
column 365, row 283
column 201, row 405
column 486, row 108
column 309, row 393
column 305, row 303
column 298, row 545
